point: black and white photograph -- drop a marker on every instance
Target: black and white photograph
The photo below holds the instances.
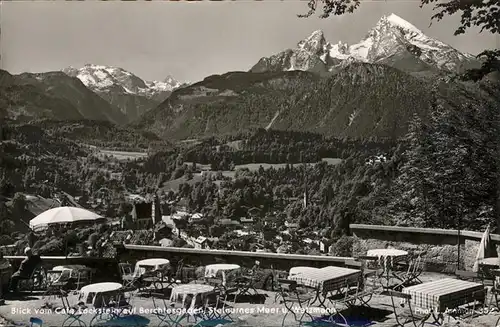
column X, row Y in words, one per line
column 321, row 163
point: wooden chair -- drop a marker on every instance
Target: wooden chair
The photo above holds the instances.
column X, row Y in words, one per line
column 405, row 315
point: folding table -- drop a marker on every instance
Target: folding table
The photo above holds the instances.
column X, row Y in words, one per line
column 445, row 295
column 327, row 280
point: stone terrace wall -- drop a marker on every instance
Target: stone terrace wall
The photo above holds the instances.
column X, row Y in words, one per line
column 440, row 244
column 198, row 257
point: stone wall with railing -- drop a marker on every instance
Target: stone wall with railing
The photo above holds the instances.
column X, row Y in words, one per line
column 441, row 244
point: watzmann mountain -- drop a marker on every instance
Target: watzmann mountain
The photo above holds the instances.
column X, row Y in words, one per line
column 130, row 93
column 369, row 89
column 393, row 42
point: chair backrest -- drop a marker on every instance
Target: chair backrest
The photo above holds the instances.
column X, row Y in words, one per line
column 211, row 298
column 64, row 276
column 287, row 285
column 126, row 269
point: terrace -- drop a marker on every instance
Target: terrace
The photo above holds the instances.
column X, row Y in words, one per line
column 258, row 303
column 263, row 312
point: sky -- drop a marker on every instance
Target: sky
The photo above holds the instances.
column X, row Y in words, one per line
column 189, row 40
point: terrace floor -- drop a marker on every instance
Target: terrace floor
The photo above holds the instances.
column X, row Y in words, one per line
column 13, row 313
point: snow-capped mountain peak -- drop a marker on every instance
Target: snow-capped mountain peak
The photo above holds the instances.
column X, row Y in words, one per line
column 315, row 43
column 108, row 78
column 392, row 41
column 397, row 21
column 133, row 95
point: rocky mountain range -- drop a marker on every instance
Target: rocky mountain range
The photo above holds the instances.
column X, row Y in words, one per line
column 393, row 41
column 361, row 101
column 53, row 95
column 369, row 89
column 133, row 95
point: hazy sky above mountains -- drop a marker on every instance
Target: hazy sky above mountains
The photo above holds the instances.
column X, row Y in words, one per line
column 189, row 40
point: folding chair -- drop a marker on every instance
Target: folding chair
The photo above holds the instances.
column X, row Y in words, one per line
column 214, row 307
column 84, row 277
column 246, row 286
column 161, row 305
column 73, row 312
column 413, row 269
column 406, row 315
column 120, row 303
column 493, row 302
column 467, row 307
column 290, row 297
column 58, row 284
column 371, row 269
column 214, row 311
column 359, row 290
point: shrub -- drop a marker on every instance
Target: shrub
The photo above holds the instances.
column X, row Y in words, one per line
column 343, row 247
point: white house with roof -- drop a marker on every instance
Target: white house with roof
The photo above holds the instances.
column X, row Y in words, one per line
column 245, row 220
column 196, row 217
column 200, row 242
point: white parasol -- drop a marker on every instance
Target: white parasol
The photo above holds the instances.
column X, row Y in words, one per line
column 63, row 215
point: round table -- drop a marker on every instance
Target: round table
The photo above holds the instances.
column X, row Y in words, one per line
column 212, row 270
column 388, row 257
column 193, row 290
column 71, row 268
column 152, row 264
column 91, row 291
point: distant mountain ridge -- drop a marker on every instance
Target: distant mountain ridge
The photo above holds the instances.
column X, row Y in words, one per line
column 360, row 101
column 53, row 95
column 392, row 41
column 130, row 93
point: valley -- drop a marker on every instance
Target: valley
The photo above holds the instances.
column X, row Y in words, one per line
column 306, row 142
